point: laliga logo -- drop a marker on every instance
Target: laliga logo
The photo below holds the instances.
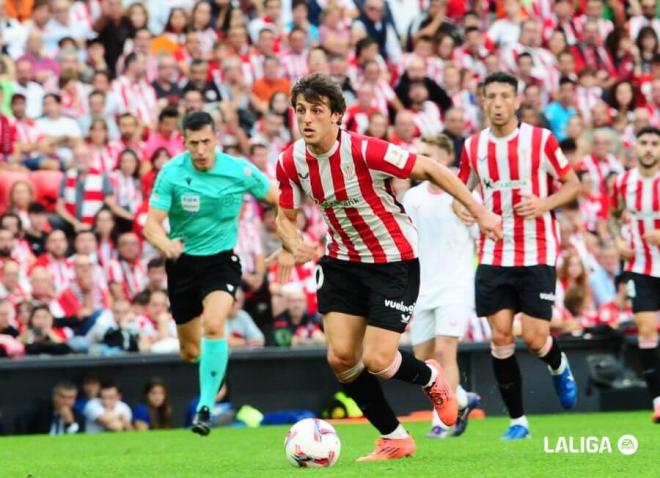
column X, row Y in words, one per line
column 627, row 445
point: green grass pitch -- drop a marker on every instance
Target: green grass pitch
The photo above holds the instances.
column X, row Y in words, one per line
column 232, row 452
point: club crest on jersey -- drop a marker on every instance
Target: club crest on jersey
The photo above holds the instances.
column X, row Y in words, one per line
column 349, row 170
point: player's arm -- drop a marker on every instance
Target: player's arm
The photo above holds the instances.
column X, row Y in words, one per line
column 156, row 235
column 426, row 169
column 614, row 223
column 555, row 164
column 291, row 236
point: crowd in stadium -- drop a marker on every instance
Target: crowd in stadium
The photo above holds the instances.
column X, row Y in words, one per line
column 93, row 94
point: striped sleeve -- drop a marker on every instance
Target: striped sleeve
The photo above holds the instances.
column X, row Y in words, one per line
column 290, row 193
column 555, row 164
column 465, row 172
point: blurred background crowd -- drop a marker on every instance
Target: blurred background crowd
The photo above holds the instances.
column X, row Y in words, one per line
column 92, row 95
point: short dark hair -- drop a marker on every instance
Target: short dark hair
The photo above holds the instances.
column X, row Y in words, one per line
column 168, row 112
column 197, row 62
column 501, row 77
column 156, row 263
column 568, row 145
column 525, row 55
column 471, row 29
column 315, row 87
column 36, row 208
column 648, row 130
column 256, row 146
column 64, row 385
column 106, row 384
column 564, row 80
column 55, row 96
column 97, row 93
column 197, row 120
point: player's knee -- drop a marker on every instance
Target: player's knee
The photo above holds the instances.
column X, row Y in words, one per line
column 535, row 342
column 378, row 361
column 501, row 338
column 189, row 353
column 340, row 361
column 214, row 329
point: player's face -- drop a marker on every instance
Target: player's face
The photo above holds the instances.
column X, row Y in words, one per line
column 316, row 121
column 500, row 102
column 647, row 150
column 201, row 146
column 433, row 152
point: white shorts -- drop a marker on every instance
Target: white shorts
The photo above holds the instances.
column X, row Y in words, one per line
column 449, row 320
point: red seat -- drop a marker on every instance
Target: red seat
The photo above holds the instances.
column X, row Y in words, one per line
column 47, row 187
column 7, row 179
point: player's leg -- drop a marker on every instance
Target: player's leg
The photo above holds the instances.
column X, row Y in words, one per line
column 537, row 285
column 189, row 335
column 507, row 372
column 645, row 294
column 647, row 337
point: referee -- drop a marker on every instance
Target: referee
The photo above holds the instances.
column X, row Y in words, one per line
column 201, row 192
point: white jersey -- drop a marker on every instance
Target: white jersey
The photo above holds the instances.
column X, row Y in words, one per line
column 445, row 248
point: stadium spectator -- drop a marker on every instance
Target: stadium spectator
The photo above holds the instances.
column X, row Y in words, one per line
column 60, row 131
column 32, row 91
column 560, row 112
column 108, row 412
column 240, row 329
column 295, row 327
column 41, row 337
column 56, row 416
column 156, row 411
column 433, row 23
column 127, row 275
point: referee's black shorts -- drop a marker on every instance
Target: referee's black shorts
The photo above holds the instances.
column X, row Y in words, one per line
column 526, row 289
column 191, row 278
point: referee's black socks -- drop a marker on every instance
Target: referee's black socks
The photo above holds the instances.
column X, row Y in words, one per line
column 509, row 378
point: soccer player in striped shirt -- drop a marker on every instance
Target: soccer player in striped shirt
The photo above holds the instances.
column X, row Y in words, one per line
column 368, row 280
column 516, row 167
column 638, row 192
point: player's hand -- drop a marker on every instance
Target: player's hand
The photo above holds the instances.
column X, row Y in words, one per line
column 462, row 213
column 285, row 263
column 304, row 253
column 625, row 251
column 66, row 414
column 491, row 225
column 173, row 249
column 653, row 237
column 530, row 206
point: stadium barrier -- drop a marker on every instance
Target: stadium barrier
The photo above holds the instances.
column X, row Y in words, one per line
column 276, row 379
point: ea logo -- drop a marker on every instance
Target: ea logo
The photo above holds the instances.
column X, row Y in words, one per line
column 627, row 444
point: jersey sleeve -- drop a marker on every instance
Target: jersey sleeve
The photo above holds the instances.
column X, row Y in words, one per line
column 161, row 196
column 388, row 158
column 554, row 163
column 256, row 182
column 290, row 193
column 465, row 172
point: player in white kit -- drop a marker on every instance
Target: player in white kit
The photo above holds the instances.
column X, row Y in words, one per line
column 446, row 298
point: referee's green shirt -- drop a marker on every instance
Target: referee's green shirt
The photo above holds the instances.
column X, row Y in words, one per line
column 204, row 206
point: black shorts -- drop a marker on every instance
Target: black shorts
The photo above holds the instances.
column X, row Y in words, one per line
column 383, row 293
column 644, row 291
column 526, row 289
column 191, row 278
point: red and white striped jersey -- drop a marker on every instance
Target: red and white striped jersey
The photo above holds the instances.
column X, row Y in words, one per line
column 598, row 169
column 552, row 23
column 105, row 159
column 526, row 161
column 428, row 120
column 133, row 277
column 27, row 131
column 640, row 196
column 294, row 65
column 61, row 270
column 605, row 26
column 138, row 97
column 586, row 98
column 356, row 119
column 636, row 23
column 383, row 95
column 435, row 67
column 465, row 60
column 352, row 185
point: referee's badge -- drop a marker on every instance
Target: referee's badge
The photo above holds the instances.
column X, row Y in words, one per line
column 190, row 202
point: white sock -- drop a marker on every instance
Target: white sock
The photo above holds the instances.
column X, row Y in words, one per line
column 656, row 402
column 398, row 433
column 520, row 421
column 436, row 422
column 461, row 397
column 562, row 366
column 434, row 375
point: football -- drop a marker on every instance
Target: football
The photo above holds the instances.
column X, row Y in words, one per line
column 312, row 443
